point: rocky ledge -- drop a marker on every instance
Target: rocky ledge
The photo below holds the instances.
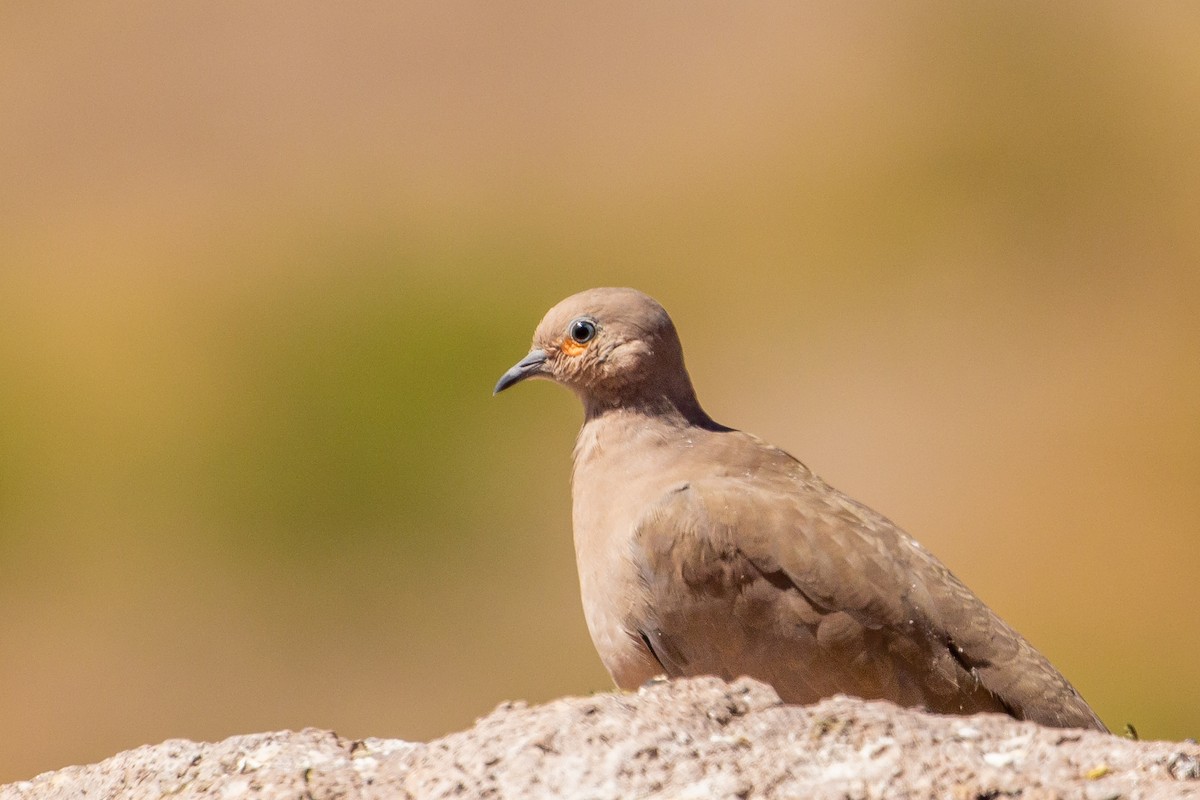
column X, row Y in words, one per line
column 700, row 738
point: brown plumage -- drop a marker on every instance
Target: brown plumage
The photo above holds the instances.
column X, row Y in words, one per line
column 705, row 550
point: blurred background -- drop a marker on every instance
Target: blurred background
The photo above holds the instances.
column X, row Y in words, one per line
column 261, row 264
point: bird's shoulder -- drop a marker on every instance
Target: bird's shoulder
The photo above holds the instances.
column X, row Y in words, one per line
column 755, row 504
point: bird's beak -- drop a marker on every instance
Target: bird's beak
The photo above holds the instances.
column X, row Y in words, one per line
column 527, row 367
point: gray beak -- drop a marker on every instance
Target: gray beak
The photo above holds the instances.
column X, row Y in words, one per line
column 527, row 367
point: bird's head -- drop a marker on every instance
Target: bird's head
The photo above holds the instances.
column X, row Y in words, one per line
column 612, row 347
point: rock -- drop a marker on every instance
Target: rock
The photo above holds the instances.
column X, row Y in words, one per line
column 699, row 738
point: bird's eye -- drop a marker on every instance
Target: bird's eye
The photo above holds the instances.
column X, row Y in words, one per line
column 582, row 331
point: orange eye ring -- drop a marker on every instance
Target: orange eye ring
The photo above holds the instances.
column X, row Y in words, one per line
column 570, row 347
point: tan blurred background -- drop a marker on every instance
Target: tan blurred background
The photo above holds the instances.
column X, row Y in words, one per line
column 261, row 264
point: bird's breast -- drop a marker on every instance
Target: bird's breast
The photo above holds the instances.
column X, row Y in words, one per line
column 612, row 484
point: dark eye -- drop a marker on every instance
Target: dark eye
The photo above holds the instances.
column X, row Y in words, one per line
column 582, row 331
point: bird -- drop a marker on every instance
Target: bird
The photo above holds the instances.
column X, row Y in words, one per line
column 705, row 550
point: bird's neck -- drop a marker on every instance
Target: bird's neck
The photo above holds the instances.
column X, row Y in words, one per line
column 659, row 409
column 611, row 432
column 673, row 406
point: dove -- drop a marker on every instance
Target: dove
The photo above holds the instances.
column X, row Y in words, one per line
column 704, row 550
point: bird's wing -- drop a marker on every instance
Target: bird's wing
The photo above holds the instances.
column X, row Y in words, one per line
column 776, row 573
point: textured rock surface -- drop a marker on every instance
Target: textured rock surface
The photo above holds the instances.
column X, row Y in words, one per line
column 700, row 738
